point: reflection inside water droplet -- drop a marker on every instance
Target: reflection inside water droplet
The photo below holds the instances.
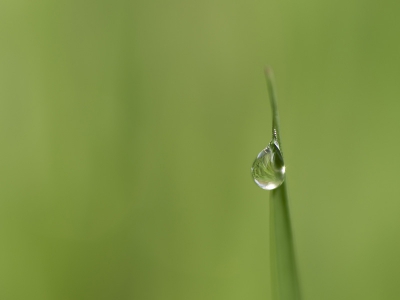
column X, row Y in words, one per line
column 268, row 169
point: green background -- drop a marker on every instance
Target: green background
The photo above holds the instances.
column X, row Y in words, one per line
column 128, row 129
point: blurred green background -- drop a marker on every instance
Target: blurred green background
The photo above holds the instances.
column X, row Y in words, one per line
column 128, row 129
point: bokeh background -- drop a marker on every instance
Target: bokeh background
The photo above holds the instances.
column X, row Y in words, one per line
column 128, row 129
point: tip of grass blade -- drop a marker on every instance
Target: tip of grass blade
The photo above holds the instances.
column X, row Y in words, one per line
column 268, row 71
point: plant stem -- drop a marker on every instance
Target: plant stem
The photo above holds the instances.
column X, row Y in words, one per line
column 285, row 281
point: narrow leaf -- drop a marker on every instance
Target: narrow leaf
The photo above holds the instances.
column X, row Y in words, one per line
column 285, row 281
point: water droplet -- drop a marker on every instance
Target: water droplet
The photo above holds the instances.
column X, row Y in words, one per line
column 268, row 169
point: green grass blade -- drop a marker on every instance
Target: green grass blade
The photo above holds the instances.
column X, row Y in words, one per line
column 285, row 281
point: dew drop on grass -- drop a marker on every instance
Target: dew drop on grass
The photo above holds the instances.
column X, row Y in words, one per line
column 268, row 169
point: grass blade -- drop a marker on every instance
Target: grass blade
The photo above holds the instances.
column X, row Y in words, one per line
column 285, row 281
